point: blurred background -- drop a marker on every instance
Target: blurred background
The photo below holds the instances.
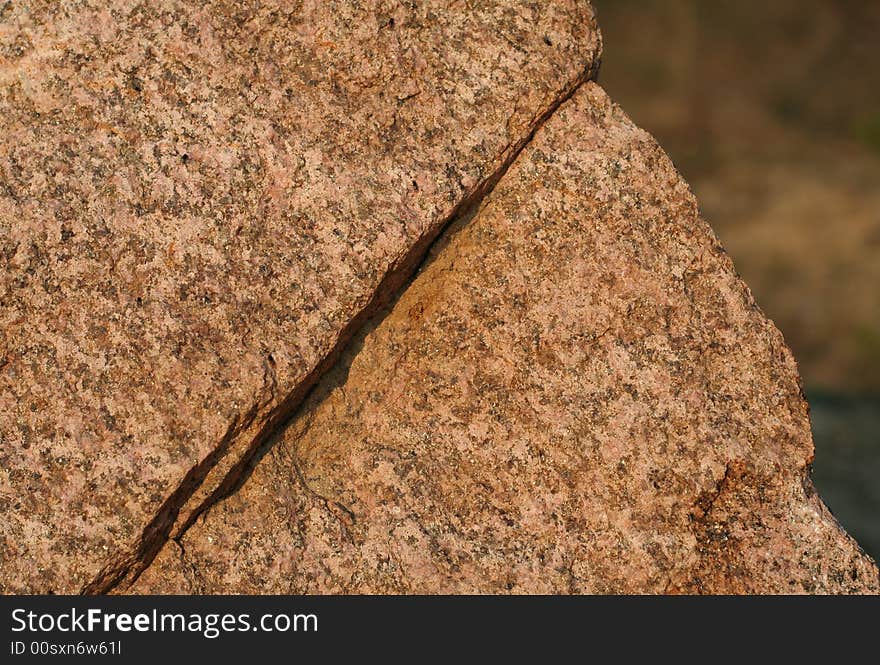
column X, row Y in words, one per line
column 771, row 110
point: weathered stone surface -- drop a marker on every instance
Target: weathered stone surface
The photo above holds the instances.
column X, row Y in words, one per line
column 577, row 394
column 197, row 202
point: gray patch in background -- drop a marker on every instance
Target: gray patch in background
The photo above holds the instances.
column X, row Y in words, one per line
column 846, row 431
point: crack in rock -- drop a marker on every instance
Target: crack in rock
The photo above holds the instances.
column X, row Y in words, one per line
column 168, row 523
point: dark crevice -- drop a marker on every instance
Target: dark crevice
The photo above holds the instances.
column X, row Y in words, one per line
column 123, row 572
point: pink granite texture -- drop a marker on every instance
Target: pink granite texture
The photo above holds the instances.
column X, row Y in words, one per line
column 199, row 201
column 577, row 394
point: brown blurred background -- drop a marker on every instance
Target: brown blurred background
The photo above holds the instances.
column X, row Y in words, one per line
column 771, row 110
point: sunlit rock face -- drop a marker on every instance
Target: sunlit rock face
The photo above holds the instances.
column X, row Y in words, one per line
column 199, row 201
column 217, row 376
column 577, row 394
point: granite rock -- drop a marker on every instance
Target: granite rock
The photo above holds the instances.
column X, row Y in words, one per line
column 575, row 394
column 199, row 203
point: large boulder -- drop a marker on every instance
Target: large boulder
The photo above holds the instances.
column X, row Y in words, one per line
column 199, row 203
column 576, row 394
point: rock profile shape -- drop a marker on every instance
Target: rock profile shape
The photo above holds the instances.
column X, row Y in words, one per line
column 202, row 207
column 199, row 203
column 577, row 394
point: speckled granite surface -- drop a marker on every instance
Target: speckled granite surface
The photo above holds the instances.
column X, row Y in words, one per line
column 198, row 202
column 577, row 394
